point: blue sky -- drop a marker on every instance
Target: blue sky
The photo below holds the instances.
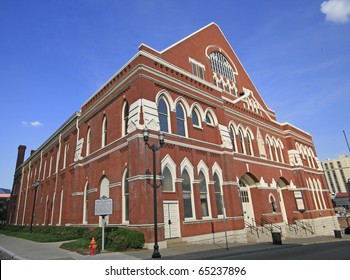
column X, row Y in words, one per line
column 55, row 54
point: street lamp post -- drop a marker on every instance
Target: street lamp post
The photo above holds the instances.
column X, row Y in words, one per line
column 154, row 148
column 35, row 186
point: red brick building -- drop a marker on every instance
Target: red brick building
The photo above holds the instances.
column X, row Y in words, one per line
column 226, row 162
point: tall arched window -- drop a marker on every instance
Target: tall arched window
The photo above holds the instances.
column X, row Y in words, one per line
column 249, row 144
column 233, row 138
column 181, row 120
column 241, row 141
column 203, row 194
column 195, row 118
column 269, row 148
column 281, row 152
column 275, row 148
column 187, row 194
column 125, row 118
column 66, row 148
column 218, row 195
column 104, row 132
column 163, row 115
column 126, row 197
column 88, row 141
column 167, row 182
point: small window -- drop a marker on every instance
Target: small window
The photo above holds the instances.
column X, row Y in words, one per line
column 197, row 68
column 88, row 141
column 209, row 119
column 104, row 132
column 125, row 118
column 195, row 118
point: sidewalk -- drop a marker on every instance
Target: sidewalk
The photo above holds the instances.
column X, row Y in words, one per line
column 23, row 249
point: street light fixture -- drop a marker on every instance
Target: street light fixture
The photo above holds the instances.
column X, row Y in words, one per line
column 35, row 186
column 154, row 148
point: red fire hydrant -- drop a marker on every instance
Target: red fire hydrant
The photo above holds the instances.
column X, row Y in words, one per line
column 92, row 246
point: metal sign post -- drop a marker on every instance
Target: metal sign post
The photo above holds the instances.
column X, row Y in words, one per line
column 103, row 207
column 103, row 233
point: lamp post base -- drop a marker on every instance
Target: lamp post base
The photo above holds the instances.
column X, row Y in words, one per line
column 156, row 254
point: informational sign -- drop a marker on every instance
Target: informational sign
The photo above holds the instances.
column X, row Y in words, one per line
column 298, row 196
column 103, row 206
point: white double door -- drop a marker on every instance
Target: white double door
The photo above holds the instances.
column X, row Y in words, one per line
column 171, row 219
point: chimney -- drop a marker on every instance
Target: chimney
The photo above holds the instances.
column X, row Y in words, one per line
column 20, row 155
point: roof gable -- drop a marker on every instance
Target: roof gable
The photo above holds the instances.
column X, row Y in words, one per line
column 198, row 47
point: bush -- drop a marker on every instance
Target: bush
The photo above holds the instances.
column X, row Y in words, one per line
column 116, row 239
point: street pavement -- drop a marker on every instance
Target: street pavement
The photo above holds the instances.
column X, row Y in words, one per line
column 21, row 249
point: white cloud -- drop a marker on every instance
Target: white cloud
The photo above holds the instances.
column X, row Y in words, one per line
column 337, row 11
column 35, row 123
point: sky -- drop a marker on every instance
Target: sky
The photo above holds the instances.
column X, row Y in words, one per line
column 54, row 55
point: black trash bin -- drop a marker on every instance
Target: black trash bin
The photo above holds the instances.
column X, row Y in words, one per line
column 337, row 234
column 276, row 238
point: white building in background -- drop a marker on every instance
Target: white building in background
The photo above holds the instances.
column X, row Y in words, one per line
column 337, row 172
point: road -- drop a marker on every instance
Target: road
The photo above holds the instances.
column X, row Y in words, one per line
column 321, row 251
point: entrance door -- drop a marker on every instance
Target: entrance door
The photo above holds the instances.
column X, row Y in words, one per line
column 171, row 219
column 247, row 206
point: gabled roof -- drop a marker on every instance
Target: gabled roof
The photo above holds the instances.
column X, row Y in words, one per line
column 199, row 45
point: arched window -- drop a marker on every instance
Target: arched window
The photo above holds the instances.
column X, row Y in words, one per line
column 209, row 119
column 163, row 115
column 167, row 180
column 249, row 144
column 125, row 118
column 276, row 152
column 281, row 152
column 126, row 197
column 195, row 118
column 104, row 132
column 88, row 141
column 218, row 195
column 233, row 138
column 181, row 121
column 241, row 141
column 220, row 65
column 269, row 148
column 187, row 194
column 66, row 148
column 203, row 194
